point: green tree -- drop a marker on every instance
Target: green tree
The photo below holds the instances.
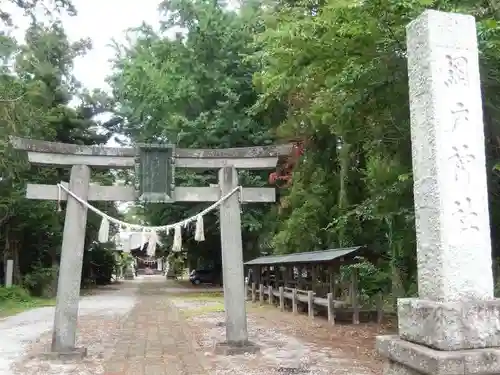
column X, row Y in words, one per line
column 196, row 90
column 340, row 68
column 37, row 89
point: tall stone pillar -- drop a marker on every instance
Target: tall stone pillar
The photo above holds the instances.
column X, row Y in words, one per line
column 232, row 269
column 70, row 270
column 9, row 273
column 232, row 260
column 454, row 325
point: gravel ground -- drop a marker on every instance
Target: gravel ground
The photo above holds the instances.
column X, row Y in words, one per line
column 183, row 287
column 28, row 334
column 282, row 350
column 194, row 304
column 147, row 327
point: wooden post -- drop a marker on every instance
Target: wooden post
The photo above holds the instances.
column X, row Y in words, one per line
column 270, row 290
column 331, row 308
column 321, row 277
column 282, row 298
column 9, row 272
column 232, row 260
column 257, row 271
column 331, row 279
column 261, row 293
column 254, row 297
column 310, row 304
column 294, row 301
column 354, row 296
column 299, row 277
column 314, row 278
column 248, row 286
column 70, row 271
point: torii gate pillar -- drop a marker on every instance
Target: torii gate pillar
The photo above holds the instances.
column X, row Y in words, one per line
column 232, row 260
column 70, row 270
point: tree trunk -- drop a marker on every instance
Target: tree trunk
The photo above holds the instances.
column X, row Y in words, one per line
column 344, row 156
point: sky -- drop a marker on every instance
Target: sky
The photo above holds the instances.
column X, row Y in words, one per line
column 109, row 22
column 101, row 21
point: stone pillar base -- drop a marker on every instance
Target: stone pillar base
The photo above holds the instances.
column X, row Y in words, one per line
column 228, row 349
column 406, row 358
column 66, row 355
column 450, row 325
column 129, row 274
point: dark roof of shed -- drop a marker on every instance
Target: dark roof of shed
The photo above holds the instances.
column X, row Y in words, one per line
column 307, row 257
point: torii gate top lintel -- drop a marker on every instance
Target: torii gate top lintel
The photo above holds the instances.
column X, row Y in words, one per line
column 55, row 153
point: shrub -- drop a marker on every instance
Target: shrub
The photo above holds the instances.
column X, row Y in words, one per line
column 41, row 282
column 99, row 263
column 14, row 294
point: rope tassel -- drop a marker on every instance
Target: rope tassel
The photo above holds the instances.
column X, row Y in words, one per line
column 143, row 237
column 152, row 241
column 59, row 193
column 127, row 246
column 199, row 233
column 177, row 245
column 104, row 231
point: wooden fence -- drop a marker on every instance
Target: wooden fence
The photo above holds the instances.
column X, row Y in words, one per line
column 298, row 297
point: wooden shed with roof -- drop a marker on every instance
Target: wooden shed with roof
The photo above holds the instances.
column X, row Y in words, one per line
column 313, row 270
column 314, row 274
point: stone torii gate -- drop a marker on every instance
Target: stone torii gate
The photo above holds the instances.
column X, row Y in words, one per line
column 154, row 161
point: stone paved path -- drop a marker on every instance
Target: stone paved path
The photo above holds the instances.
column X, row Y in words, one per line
column 154, row 340
column 150, row 326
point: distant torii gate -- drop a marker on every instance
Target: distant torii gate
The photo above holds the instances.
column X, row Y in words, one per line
column 154, row 161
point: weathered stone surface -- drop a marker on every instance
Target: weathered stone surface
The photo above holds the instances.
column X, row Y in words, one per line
column 394, row 368
column 450, row 325
column 101, row 150
column 224, row 348
column 70, row 271
column 9, row 272
column 418, row 359
column 456, row 309
column 129, row 273
column 452, row 224
column 70, row 355
column 128, row 193
column 232, row 260
column 155, row 339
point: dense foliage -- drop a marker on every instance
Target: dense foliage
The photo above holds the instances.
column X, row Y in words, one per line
column 330, row 74
column 41, row 99
column 341, row 69
column 196, row 90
